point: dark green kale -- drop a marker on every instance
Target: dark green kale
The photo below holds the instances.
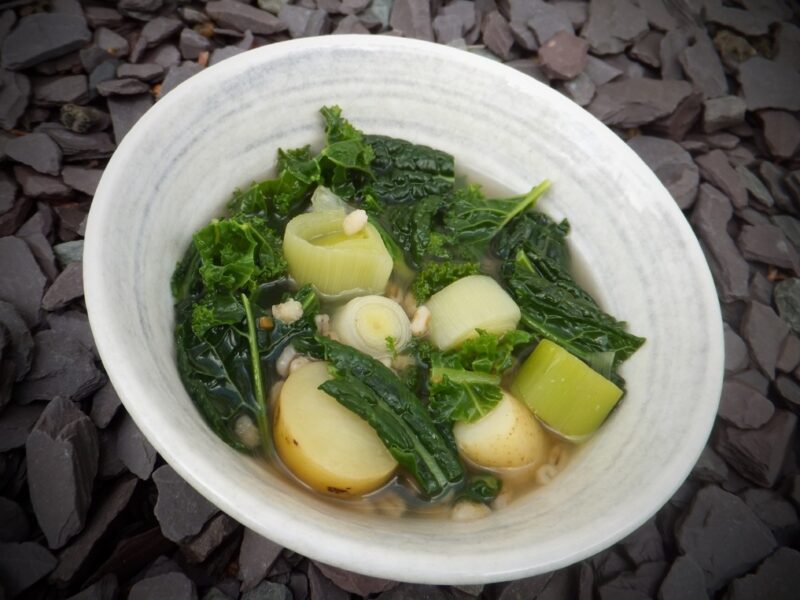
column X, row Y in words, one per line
column 435, row 276
column 481, row 488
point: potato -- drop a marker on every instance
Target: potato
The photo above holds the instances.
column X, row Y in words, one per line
column 509, row 436
column 326, row 445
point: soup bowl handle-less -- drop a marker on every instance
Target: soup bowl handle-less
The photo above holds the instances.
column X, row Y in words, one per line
column 177, row 168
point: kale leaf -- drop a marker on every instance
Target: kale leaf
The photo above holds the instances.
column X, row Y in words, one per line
column 435, row 276
column 481, row 488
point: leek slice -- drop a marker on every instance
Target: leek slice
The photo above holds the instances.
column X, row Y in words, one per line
column 366, row 322
column 470, row 303
column 565, row 393
column 318, row 252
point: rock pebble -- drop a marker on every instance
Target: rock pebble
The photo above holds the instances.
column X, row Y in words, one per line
column 133, row 449
column 39, row 37
column 180, row 510
column 242, row 17
column 684, row 581
column 412, row 18
column 176, row 76
column 777, row 578
column 216, row 531
column 703, row 67
column 192, row 44
column 267, row 590
column 563, row 56
column 14, row 91
column 545, row 20
column 256, row 556
column 768, row 84
column 169, row 586
column 764, row 332
column 673, row 166
column 22, row 565
column 781, row 133
column 717, row 170
column 355, row 583
column 743, row 406
column 498, row 36
column 613, row 24
column 723, row 112
column 66, row 288
column 768, row 244
column 636, row 102
column 126, row 110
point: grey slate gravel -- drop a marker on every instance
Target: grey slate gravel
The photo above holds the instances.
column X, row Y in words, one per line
column 229, row 13
column 267, row 590
column 743, row 406
column 177, row 75
column 613, row 24
column 122, row 87
column 59, row 90
column 684, row 581
column 787, row 299
column 412, row 18
column 777, row 578
column 66, row 288
column 42, row 36
column 768, row 84
column 717, row 170
column 148, row 72
column 191, row 44
column 764, row 331
column 256, row 556
column 781, row 133
column 14, row 91
column 21, row 280
column 723, row 112
column 703, row 67
column 170, row 586
column 180, row 510
column 636, row 102
column 22, row 565
column 673, row 166
column 126, row 110
column 36, row 150
column 133, row 449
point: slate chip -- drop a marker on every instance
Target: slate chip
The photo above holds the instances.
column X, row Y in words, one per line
column 180, row 510
column 648, row 49
column 636, row 102
column 781, row 133
column 126, row 110
column 102, row 16
column 787, row 299
column 224, row 53
column 723, row 536
column 21, row 280
column 736, row 355
column 743, row 406
column 717, row 170
column 758, row 454
column 777, row 578
column 216, row 531
column 644, row 544
column 755, row 186
column 105, row 404
column 177, row 75
column 703, row 67
column 191, row 44
column 777, row 513
column 79, row 146
column 745, row 22
column 20, row 342
column 62, row 453
column 66, row 288
column 768, row 244
column 723, row 112
column 351, row 24
column 768, row 84
column 613, row 24
column 239, row 16
column 105, row 589
column 684, row 581
column 544, row 19
column 497, row 35
column 16, row 422
column 322, row 588
column 580, row 90
column 710, row 467
column 643, row 582
column 172, row 586
column 153, row 33
column 14, row 526
column 765, row 333
column 133, row 449
column 256, row 556
column 82, row 179
column 42, row 36
column 355, row 583
column 412, row 18
column 122, row 87
column 673, row 166
column 267, row 590
column 22, row 565
column 111, row 42
column 563, row 56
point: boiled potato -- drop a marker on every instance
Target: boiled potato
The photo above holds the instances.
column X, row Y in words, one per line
column 509, row 436
column 326, row 445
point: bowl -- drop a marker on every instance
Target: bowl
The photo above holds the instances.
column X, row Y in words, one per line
column 220, row 130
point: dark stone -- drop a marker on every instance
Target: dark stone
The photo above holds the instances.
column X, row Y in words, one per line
column 644, row 544
column 180, row 510
column 642, row 583
column 545, row 20
column 159, row 30
column 789, row 358
column 756, row 187
column 71, row 217
column 75, row 324
column 768, row 84
column 647, row 49
column 80, row 146
column 363, row 585
column 761, row 288
column 613, row 24
column 8, row 19
column 267, row 590
column 83, row 119
column 105, row 589
column 126, row 110
column 133, row 449
column 563, row 56
column 723, row 536
column 715, row 168
column 673, row 166
column 191, row 44
column 787, row 44
column 710, row 217
column 16, row 423
column 703, row 67
column 177, row 75
column 165, row 55
column 224, row 53
column 671, row 48
column 67, row 252
column 788, row 389
column 787, row 299
column 170, row 586
column 658, row 14
column 497, row 35
column 530, row 68
column 218, row 529
column 122, row 87
column 110, row 463
column 352, row 24
column 239, row 16
column 62, row 452
column 743, row 21
column 66, row 288
column 76, row 555
column 580, row 90
column 412, row 18
column 14, row 91
column 522, row 34
column 781, row 133
column 743, row 406
column 678, row 124
column 55, row 91
column 36, row 185
column 105, row 404
column 777, row 578
column 256, row 556
column 710, row 467
column 764, row 332
column 464, row 11
column 777, row 513
column 754, row 379
column 111, row 42
column 736, row 356
column 768, row 244
column 684, row 581
column 21, row 280
column 62, row 366
column 82, row 179
column 139, row 9
column 18, row 337
column 103, row 73
column 92, row 57
column 758, row 454
column 303, row 22
column 41, row 36
column 636, row 102
column 322, row 588
column 102, row 16
column 22, row 565
column 14, row 525
column 36, row 150
column 8, row 192
column 133, row 553
column 722, row 113
column 42, row 252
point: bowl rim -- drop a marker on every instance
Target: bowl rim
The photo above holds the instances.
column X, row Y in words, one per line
column 294, row 533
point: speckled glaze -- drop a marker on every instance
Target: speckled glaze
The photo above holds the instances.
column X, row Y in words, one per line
column 177, row 168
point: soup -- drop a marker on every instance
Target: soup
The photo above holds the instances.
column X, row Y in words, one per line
column 390, row 337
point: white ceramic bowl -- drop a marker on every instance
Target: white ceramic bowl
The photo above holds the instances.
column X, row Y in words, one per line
column 177, row 168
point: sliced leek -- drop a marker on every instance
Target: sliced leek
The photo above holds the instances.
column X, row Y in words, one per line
column 471, row 303
column 337, row 265
column 565, row 393
column 366, row 322
column 324, row 199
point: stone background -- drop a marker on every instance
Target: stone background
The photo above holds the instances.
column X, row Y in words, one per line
column 706, row 91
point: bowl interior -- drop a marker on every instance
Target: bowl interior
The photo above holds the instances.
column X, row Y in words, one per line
column 221, row 130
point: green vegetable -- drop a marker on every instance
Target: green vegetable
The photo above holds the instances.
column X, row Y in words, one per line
column 480, row 488
column 374, row 392
column 435, row 276
column 345, row 161
column 473, row 219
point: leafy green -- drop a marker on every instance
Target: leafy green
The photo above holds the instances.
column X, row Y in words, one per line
column 473, row 219
column 345, row 161
column 489, row 353
column 480, row 488
column 375, row 393
column 436, row 276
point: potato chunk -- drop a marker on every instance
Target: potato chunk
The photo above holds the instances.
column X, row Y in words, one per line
column 323, row 443
column 509, row 436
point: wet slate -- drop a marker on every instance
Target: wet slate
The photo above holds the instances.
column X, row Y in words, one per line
column 42, row 36
column 717, row 170
column 180, row 510
column 22, row 565
column 126, row 110
column 768, row 84
column 723, row 536
column 172, row 586
column 758, row 454
column 684, row 581
column 777, row 578
column 636, row 102
column 239, row 16
column 62, row 453
column 256, row 556
column 613, row 24
column 764, row 332
column 21, row 280
column 673, row 166
column 743, row 406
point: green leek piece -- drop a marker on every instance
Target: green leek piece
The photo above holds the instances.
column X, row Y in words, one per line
column 337, row 265
column 568, row 396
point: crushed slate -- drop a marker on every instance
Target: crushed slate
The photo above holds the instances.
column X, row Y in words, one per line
column 180, row 510
column 673, row 166
column 42, row 36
